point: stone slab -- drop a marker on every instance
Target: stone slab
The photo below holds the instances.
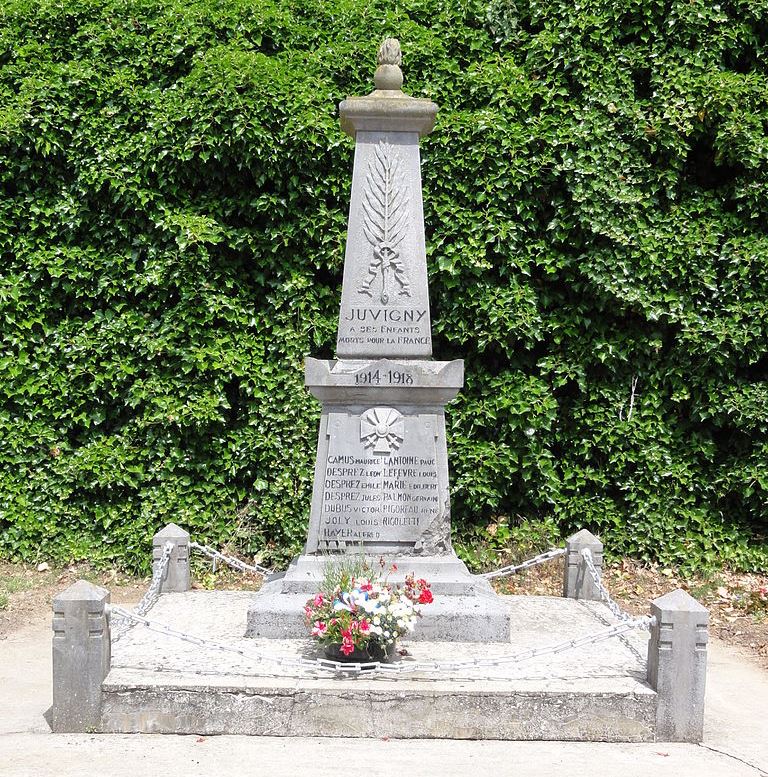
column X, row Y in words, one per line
column 364, row 381
column 448, row 575
column 159, row 684
column 472, row 618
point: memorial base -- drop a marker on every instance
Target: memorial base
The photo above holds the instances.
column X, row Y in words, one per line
column 466, row 609
column 159, row 684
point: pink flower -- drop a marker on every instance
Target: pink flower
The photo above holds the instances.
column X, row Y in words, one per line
column 364, row 626
column 319, row 600
column 319, row 629
column 347, row 646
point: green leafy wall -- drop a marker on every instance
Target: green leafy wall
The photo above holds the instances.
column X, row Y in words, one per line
column 174, row 195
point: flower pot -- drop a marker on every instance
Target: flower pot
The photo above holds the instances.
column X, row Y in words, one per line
column 373, row 651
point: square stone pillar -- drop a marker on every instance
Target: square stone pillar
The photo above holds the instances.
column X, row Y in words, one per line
column 577, row 582
column 177, row 577
column 677, row 666
column 81, row 656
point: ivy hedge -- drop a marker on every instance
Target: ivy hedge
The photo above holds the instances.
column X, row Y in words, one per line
column 172, row 223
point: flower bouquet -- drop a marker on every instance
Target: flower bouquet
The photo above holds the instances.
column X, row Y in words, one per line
column 359, row 617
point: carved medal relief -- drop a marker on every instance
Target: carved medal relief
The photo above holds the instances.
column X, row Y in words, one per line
column 385, row 203
column 382, row 429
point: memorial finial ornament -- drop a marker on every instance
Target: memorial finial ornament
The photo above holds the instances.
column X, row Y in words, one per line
column 389, row 52
column 388, row 76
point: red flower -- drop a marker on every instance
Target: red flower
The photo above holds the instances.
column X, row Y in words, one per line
column 426, row 597
column 364, row 626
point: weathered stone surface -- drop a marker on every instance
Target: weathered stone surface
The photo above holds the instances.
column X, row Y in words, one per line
column 177, row 577
column 381, row 475
column 162, row 685
column 577, row 582
column 384, row 298
column 677, row 666
column 81, row 656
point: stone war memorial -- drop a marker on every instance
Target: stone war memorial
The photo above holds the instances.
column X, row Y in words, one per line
column 381, row 475
column 479, row 665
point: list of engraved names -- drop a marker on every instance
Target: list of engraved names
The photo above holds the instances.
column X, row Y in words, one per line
column 385, row 498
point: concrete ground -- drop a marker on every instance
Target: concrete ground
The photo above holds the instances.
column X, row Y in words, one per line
column 736, row 738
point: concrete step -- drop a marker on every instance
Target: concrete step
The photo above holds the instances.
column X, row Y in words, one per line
column 159, row 684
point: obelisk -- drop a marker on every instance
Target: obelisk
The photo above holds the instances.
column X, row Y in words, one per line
column 381, row 473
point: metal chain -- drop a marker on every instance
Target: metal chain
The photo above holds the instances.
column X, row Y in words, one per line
column 325, row 664
column 531, row 562
column 605, row 595
column 231, row 561
column 236, row 563
column 152, row 594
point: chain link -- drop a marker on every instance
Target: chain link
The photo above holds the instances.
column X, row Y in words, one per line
column 152, row 594
column 231, row 561
column 531, row 562
column 437, row 667
column 605, row 595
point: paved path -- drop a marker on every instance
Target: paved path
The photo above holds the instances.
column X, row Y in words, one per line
column 736, row 743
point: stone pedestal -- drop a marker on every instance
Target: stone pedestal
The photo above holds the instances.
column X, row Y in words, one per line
column 81, row 656
column 677, row 666
column 381, row 475
column 177, row 577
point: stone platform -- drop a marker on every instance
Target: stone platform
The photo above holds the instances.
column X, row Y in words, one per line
column 594, row 693
column 466, row 608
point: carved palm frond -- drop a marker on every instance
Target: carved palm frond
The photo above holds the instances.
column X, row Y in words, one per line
column 385, row 200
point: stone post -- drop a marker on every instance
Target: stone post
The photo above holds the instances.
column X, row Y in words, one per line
column 176, row 578
column 81, row 656
column 577, row 582
column 677, row 666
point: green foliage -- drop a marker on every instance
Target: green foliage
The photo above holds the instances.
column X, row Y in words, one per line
column 175, row 187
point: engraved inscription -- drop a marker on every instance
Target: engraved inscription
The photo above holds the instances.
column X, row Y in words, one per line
column 383, row 378
column 385, row 222
column 384, row 488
